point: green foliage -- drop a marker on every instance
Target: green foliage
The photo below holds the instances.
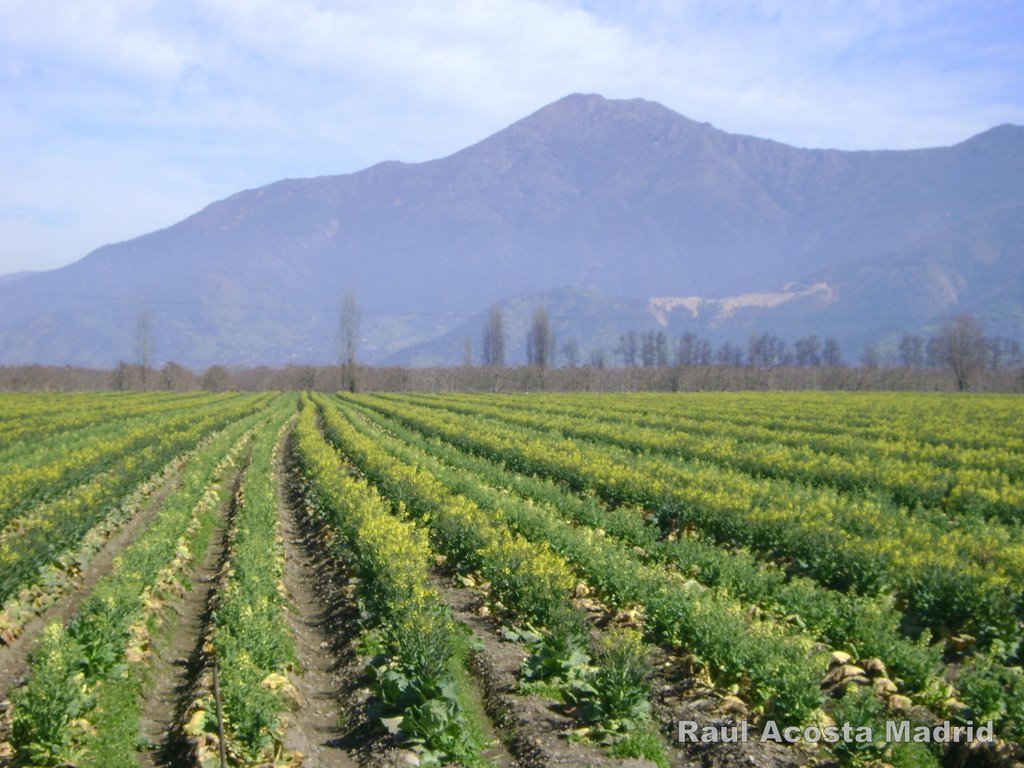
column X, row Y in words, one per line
column 252, row 710
column 559, row 654
column 81, row 701
column 54, row 696
column 616, row 696
column 57, row 526
column 115, row 723
column 644, row 742
column 860, row 708
column 100, row 629
column 781, row 671
column 253, row 647
column 426, row 710
column 993, row 691
column 414, row 677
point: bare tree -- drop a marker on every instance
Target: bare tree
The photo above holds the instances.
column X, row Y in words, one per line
column 806, row 352
column 960, row 344
column 688, row 349
column 1003, row 353
column 143, row 344
column 661, row 354
column 493, row 347
column 348, row 338
column 570, row 350
column 870, row 357
column 216, row 378
column 727, row 354
column 467, row 352
column 540, row 340
column 831, row 354
column 766, row 350
column 628, row 348
column 119, row 378
column 177, row 378
column 648, row 350
column 911, row 351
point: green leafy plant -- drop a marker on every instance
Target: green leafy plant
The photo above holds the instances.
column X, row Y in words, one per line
column 52, row 699
column 616, row 696
column 994, row 692
column 558, row 655
column 424, row 710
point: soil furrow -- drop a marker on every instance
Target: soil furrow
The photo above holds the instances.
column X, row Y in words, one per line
column 334, row 617
column 528, row 724
column 318, row 729
column 179, row 659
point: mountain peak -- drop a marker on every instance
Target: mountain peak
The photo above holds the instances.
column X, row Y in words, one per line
column 577, row 106
column 1005, row 134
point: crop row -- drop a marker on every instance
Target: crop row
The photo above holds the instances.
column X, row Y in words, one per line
column 915, row 419
column 81, row 704
column 416, row 677
column 989, row 688
column 957, row 480
column 43, row 533
column 909, row 425
column 843, row 543
column 251, row 645
column 865, row 626
column 32, row 418
column 783, row 674
column 34, row 477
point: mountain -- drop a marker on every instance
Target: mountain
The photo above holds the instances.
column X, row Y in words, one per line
column 10, row 277
column 619, row 202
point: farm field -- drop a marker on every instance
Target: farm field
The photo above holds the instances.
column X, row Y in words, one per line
column 510, row 580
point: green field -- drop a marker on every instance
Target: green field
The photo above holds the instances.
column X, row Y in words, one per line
column 808, row 560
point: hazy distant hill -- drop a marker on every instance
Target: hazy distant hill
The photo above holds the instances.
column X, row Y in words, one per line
column 620, row 199
column 10, row 277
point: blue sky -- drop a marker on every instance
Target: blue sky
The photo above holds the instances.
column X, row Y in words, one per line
column 118, row 117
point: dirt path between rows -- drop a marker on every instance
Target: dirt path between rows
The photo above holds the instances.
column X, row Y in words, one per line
column 178, row 657
column 323, row 626
column 14, row 657
column 529, row 725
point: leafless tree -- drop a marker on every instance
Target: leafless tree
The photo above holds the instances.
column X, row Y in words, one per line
column 467, row 352
column 120, row 376
column 960, row 344
column 493, row 346
column 831, row 354
column 806, row 352
column 628, row 348
column 570, row 350
column 177, row 378
column 143, row 344
column 911, row 351
column 728, row 354
column 766, row 350
column 540, row 340
column 348, row 338
column 216, row 378
column 870, row 358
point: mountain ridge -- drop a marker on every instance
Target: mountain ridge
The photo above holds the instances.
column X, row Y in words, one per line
column 625, row 198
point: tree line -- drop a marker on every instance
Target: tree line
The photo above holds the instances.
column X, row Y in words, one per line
column 959, row 345
column 957, row 356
